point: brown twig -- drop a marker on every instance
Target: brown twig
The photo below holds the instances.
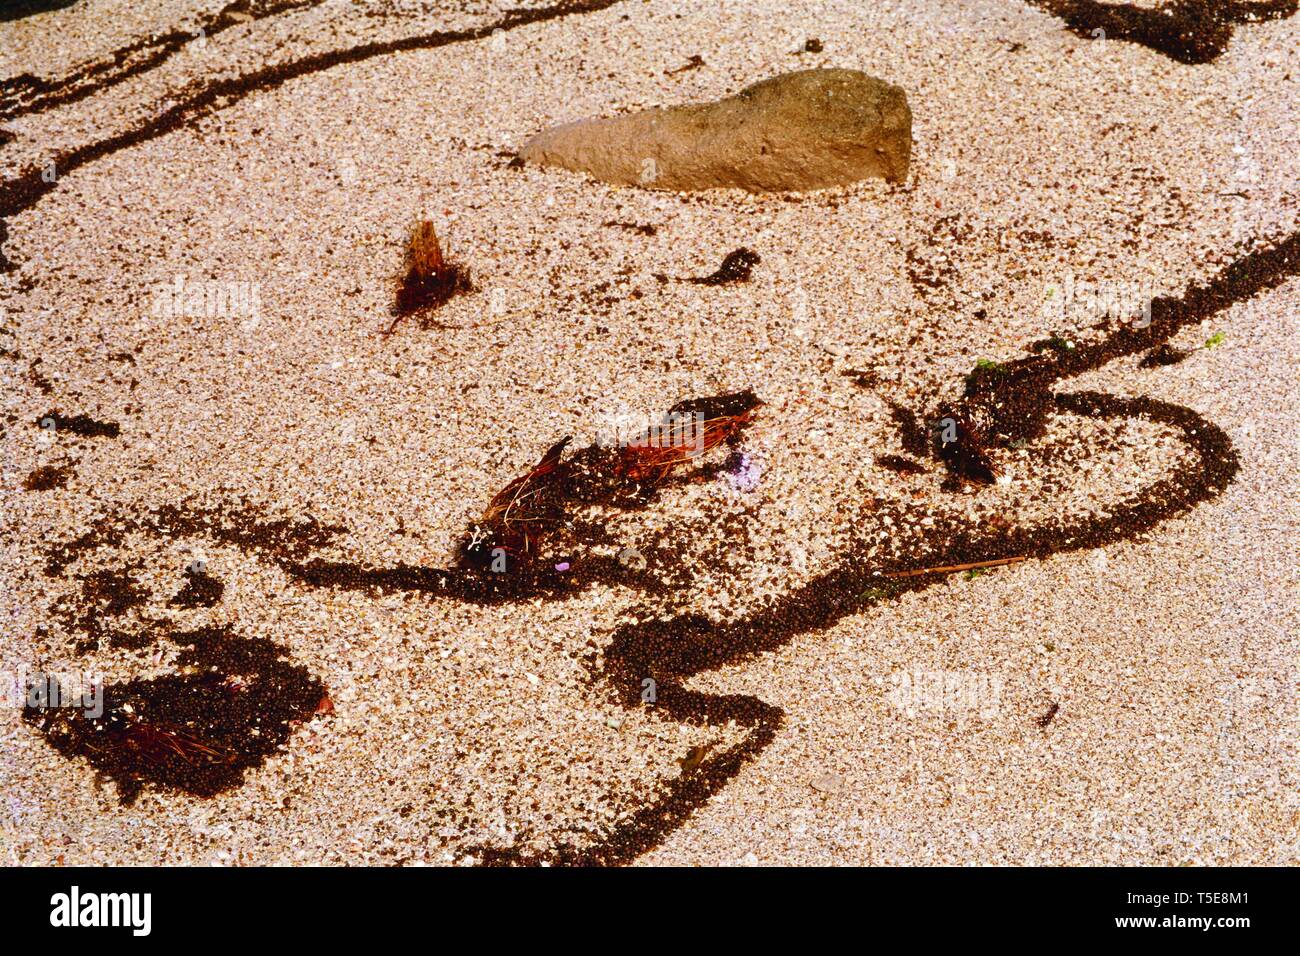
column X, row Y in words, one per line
column 944, row 569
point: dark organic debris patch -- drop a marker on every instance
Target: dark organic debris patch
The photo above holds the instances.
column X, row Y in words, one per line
column 82, row 425
column 1049, row 715
column 430, row 278
column 1164, row 355
column 901, row 464
column 105, row 596
column 1189, row 31
column 196, row 732
column 47, row 477
column 737, row 266
column 200, row 590
column 537, row 503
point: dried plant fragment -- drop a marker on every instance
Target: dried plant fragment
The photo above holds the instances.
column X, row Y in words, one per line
column 1048, row 717
column 539, row 502
column 158, row 742
column 430, row 278
column 520, row 513
column 689, row 430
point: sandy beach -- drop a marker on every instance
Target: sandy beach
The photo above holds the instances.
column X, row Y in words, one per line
column 230, row 493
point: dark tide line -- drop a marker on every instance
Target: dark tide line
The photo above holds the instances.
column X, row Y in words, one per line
column 23, row 192
column 674, row 650
column 27, row 94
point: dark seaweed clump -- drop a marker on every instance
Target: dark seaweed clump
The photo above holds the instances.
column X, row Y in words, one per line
column 1189, row 31
column 736, row 267
column 431, row 279
column 194, row 732
column 82, row 425
column 200, row 590
column 430, row 291
column 47, row 478
column 540, row 503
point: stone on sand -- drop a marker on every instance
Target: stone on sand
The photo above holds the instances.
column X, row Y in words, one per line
column 806, row 130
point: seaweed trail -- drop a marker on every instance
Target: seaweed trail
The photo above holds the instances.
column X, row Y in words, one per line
column 26, row 94
column 1004, row 403
column 650, row 823
column 1188, row 31
column 198, row 730
column 669, row 652
column 26, row 189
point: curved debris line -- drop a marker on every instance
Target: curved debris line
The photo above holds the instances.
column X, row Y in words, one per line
column 173, row 750
column 26, row 189
column 672, row 651
column 19, row 9
column 27, row 94
column 669, row 652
